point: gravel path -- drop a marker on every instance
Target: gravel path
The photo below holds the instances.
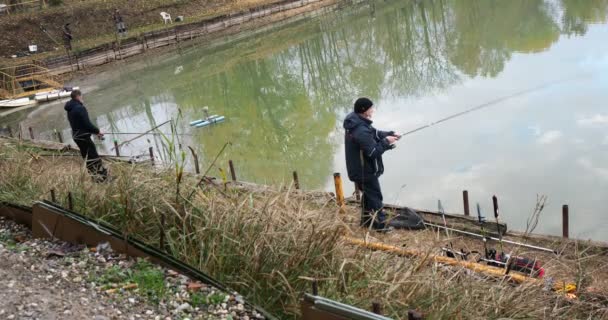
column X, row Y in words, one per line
column 54, row 280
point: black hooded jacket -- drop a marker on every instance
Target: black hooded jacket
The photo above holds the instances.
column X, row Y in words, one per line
column 364, row 148
column 78, row 116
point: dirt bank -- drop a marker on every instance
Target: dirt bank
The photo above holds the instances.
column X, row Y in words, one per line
column 92, row 23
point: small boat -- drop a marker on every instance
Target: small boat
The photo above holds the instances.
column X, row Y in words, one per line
column 13, row 103
column 210, row 121
column 55, row 94
column 193, row 123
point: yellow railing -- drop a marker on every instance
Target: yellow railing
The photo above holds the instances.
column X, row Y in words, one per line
column 24, row 80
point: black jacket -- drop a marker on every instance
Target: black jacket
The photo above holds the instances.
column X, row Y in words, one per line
column 79, row 120
column 364, row 148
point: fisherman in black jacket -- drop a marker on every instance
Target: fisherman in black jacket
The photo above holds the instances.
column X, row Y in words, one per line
column 82, row 129
column 364, row 146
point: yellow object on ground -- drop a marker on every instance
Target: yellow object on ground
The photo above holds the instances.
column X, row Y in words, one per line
column 474, row 266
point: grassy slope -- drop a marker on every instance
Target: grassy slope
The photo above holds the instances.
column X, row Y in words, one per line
column 267, row 244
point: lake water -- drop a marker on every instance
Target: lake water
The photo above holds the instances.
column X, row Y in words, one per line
column 285, row 92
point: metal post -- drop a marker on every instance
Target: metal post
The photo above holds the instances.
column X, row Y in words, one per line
column 465, row 200
column 70, row 201
column 117, row 148
column 296, row 181
column 315, row 287
column 232, row 171
column 339, row 191
column 376, row 308
column 151, row 150
column 565, row 221
column 53, row 197
column 31, row 132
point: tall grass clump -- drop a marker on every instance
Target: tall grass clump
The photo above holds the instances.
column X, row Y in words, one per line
column 269, row 243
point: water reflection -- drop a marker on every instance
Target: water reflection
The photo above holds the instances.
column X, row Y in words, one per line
column 284, row 92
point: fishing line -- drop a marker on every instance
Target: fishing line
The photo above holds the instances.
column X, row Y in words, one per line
column 487, row 104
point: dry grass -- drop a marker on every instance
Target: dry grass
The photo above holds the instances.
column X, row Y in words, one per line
column 268, row 244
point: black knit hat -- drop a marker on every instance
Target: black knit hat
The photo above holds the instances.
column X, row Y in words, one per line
column 362, row 105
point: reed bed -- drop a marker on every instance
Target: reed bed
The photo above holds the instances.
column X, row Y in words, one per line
column 269, row 244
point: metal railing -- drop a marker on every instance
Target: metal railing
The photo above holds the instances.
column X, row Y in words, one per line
column 22, row 6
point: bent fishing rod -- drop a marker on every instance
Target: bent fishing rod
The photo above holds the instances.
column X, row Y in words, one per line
column 484, row 105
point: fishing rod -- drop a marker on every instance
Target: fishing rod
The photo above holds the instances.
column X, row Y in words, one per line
column 143, row 134
column 442, row 212
column 485, row 238
column 484, row 105
column 148, row 133
column 481, row 220
column 43, row 29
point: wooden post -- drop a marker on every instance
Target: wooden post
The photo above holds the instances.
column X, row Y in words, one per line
column 296, row 181
column 232, row 172
column 151, row 151
column 376, row 308
column 144, row 41
column 117, row 148
column 565, row 221
column 59, row 136
column 414, row 315
column 339, row 191
column 10, row 131
column 31, row 132
column 70, row 201
column 161, row 242
column 195, row 157
column 357, row 192
column 53, row 197
column 465, row 200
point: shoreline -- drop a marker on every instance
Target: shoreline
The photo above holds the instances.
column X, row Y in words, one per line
column 248, row 22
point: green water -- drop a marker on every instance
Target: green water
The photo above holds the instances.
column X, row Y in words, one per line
column 286, row 90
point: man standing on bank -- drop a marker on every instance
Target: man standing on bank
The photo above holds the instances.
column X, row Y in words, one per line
column 82, row 129
column 120, row 24
column 364, row 148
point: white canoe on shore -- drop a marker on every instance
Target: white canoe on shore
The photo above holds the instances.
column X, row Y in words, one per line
column 13, row 103
column 54, row 95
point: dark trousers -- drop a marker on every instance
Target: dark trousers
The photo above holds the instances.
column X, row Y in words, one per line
column 90, row 155
column 371, row 203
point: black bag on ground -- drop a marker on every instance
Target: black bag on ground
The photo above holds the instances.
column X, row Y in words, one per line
column 407, row 218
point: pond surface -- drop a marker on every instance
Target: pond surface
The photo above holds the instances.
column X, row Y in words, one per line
column 285, row 92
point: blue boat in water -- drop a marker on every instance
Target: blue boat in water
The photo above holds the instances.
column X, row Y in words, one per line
column 210, row 121
column 193, row 123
